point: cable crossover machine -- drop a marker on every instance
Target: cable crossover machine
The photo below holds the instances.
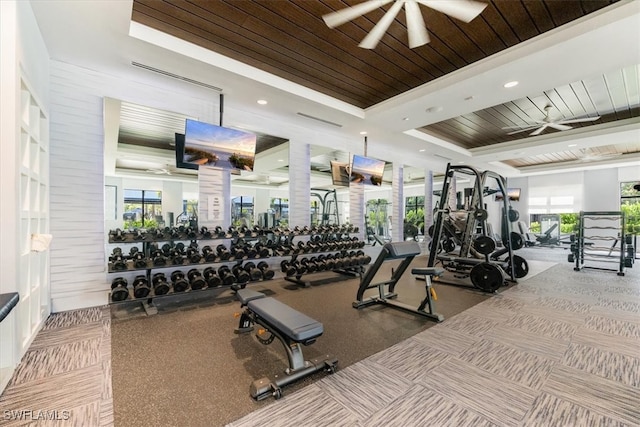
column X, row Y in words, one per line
column 462, row 241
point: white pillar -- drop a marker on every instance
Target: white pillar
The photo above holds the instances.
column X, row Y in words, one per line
column 397, row 200
column 356, row 208
column 214, row 199
column 299, row 184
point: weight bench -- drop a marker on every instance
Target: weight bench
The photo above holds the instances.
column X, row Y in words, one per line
column 292, row 328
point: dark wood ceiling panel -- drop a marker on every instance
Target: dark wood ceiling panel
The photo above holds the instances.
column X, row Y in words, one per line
column 289, row 39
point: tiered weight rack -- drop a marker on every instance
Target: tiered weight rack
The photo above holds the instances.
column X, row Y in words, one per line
column 273, row 241
column 596, row 241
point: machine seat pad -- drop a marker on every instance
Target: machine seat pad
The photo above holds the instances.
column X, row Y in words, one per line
column 246, row 295
column 295, row 325
column 427, row 271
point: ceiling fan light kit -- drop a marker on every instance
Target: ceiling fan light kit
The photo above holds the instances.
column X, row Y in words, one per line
column 463, row 10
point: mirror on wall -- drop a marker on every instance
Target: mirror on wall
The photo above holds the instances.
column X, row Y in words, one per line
column 145, row 188
column 329, row 186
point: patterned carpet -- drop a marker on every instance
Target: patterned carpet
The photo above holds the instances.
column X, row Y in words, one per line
column 560, row 349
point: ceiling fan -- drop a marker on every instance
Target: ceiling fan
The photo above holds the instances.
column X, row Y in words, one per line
column 548, row 122
column 464, row 10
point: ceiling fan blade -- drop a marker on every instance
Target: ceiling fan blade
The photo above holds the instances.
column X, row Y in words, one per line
column 464, row 10
column 585, row 119
column 523, row 130
column 559, row 126
column 539, row 130
column 525, row 126
column 381, row 27
column 339, row 17
column 416, row 29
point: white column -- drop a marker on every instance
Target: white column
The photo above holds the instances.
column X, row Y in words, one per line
column 428, row 200
column 397, row 197
column 356, row 208
column 299, row 184
column 214, row 200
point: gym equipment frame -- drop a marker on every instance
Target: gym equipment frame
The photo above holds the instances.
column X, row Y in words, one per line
column 406, row 251
column 589, row 246
column 476, row 258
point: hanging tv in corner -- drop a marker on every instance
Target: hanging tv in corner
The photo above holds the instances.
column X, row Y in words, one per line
column 214, row 146
column 365, row 170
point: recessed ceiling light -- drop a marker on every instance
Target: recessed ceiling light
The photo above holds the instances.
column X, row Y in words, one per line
column 364, row 132
column 572, row 145
column 511, row 84
column 280, row 160
column 262, row 101
column 405, row 118
column 469, row 98
column 422, row 150
column 434, row 109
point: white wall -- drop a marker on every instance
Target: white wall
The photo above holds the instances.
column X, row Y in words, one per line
column 601, row 190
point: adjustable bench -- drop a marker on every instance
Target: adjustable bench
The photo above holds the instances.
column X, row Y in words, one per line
column 292, row 328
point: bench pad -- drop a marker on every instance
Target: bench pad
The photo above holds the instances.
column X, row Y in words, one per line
column 246, row 295
column 290, row 322
column 427, row 271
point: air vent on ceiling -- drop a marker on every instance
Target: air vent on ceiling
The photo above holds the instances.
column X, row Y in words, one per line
column 175, row 76
column 320, row 120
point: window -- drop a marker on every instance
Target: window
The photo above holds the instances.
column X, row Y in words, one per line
column 280, row 209
column 630, row 205
column 242, row 211
column 142, row 209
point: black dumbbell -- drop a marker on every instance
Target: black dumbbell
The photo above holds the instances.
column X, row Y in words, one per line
column 267, row 272
column 205, row 233
column 223, row 252
column 287, row 268
column 250, row 251
column 212, row 278
column 158, row 259
column 320, row 262
column 138, row 234
column 242, row 277
column 174, row 233
column 262, row 249
column 141, row 287
column 179, row 282
column 195, row 279
column 139, row 261
column 254, row 273
column 119, row 291
column 160, row 284
column 226, row 276
column 308, row 265
column 338, row 261
column 118, row 260
column 299, row 267
column 208, row 254
column 193, row 256
column 177, row 256
column 238, row 253
column 117, row 235
column 218, row 231
column 366, row 259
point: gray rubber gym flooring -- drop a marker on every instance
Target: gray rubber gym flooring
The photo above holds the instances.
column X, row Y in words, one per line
column 186, row 363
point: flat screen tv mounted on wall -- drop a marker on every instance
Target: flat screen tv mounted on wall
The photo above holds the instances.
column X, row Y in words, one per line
column 180, row 163
column 218, row 147
column 366, row 170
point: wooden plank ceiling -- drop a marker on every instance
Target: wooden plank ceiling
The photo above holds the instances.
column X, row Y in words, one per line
column 290, row 39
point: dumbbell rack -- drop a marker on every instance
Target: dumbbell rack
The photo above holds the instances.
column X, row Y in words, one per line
column 596, row 240
column 273, row 239
column 321, row 244
column 147, row 239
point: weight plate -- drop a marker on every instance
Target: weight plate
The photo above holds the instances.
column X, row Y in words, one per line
column 480, row 214
column 520, row 267
column 448, row 245
column 484, row 245
column 486, row 277
column 513, row 214
column 430, row 230
column 517, row 241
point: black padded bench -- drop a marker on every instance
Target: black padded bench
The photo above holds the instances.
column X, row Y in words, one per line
column 292, row 328
column 7, row 302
